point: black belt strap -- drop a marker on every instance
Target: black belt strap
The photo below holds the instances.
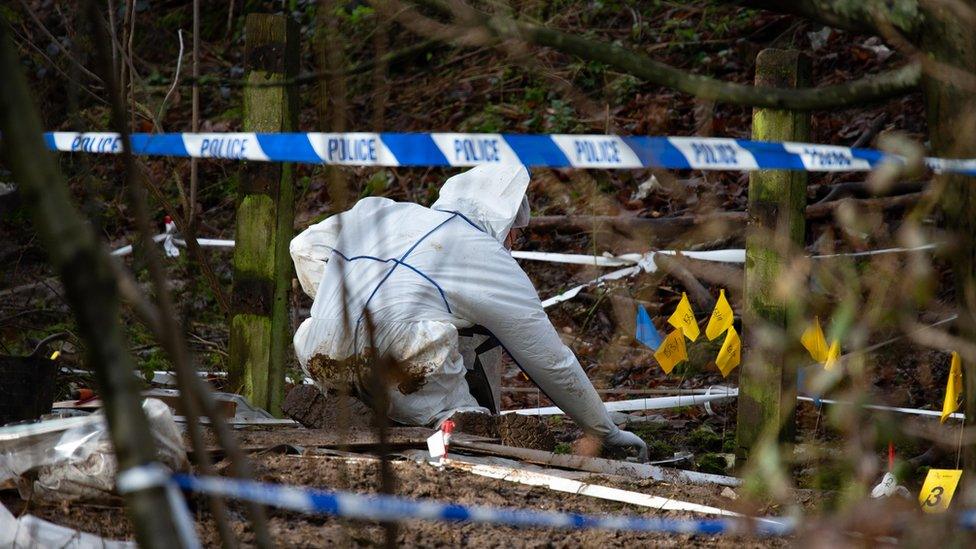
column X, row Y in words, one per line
column 476, row 377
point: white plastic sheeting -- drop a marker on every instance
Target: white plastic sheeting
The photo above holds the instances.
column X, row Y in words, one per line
column 74, row 458
column 30, row 531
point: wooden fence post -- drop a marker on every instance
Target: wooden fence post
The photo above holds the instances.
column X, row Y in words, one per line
column 259, row 328
column 777, row 198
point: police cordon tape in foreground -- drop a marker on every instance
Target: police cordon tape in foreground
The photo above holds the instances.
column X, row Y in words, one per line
column 468, row 149
column 381, row 507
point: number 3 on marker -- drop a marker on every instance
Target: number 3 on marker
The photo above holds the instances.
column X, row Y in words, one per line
column 937, row 491
column 935, row 497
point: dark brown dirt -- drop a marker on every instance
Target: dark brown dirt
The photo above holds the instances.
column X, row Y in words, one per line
column 307, row 405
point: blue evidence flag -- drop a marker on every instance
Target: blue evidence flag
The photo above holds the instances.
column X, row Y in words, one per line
column 646, row 332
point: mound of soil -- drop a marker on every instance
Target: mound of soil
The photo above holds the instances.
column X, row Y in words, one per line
column 307, row 405
column 476, row 423
column 525, row 432
column 512, row 429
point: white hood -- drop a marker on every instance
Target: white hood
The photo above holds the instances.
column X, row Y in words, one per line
column 490, row 195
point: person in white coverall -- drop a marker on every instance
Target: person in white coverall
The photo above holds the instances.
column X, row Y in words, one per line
column 419, row 275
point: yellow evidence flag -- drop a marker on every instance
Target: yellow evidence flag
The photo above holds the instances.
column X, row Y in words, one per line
column 721, row 319
column 953, row 388
column 683, row 319
column 672, row 351
column 729, row 355
column 813, row 340
column 833, row 353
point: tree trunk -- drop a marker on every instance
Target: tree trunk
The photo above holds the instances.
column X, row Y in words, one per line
column 951, row 112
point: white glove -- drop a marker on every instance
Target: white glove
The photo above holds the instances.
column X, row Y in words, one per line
column 889, row 487
column 626, row 439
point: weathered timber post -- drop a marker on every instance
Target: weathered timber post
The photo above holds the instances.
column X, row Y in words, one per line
column 259, row 329
column 777, row 198
column 951, row 111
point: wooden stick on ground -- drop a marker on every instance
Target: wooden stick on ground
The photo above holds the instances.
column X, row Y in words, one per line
column 699, row 294
column 595, row 465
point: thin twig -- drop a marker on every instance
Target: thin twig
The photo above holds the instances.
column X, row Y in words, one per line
column 191, row 214
column 176, row 81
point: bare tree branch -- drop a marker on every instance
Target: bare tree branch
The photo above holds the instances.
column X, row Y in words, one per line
column 866, row 90
column 850, row 15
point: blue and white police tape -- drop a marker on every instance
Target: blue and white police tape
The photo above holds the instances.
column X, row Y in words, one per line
column 381, row 507
column 468, row 149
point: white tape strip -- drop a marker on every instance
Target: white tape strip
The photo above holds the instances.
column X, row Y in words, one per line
column 127, row 249
column 896, row 409
column 615, row 275
column 878, row 252
column 580, row 259
column 522, row 475
column 646, row 263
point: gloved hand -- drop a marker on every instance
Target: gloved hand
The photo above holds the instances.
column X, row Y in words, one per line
column 626, row 439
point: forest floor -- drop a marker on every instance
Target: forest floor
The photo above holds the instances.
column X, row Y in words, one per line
column 484, row 89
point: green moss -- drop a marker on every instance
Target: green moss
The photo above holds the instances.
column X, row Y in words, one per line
column 728, row 445
column 712, row 463
column 659, row 449
column 250, row 348
column 255, row 225
column 563, row 448
column 705, row 439
column 647, row 431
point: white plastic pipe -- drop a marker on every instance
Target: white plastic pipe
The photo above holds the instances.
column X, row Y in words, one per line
column 639, row 404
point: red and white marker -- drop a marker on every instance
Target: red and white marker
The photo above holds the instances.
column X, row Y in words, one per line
column 448, row 428
column 439, row 442
column 169, row 247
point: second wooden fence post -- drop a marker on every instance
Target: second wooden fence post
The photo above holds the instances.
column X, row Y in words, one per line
column 259, row 329
column 777, row 198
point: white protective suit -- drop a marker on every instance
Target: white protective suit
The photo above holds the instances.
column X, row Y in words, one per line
column 423, row 273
